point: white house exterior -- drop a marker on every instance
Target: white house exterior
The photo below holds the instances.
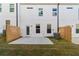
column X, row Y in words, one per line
column 30, row 17
column 41, row 19
column 24, row 17
column 69, row 15
column 5, row 14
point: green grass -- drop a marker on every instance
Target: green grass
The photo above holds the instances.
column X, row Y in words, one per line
column 60, row 48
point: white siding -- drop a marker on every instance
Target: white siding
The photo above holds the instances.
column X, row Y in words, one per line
column 29, row 17
column 69, row 17
column 7, row 15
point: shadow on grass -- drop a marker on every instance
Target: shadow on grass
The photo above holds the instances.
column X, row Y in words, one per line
column 60, row 48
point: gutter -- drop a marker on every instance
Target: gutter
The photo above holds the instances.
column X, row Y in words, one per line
column 58, row 18
column 17, row 14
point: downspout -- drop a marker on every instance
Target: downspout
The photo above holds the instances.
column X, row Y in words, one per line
column 58, row 18
column 17, row 14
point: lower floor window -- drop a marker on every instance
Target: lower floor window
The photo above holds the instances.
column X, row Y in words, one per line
column 37, row 28
column 77, row 28
column 0, row 9
column 48, row 28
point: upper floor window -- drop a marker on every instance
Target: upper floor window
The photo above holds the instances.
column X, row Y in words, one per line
column 29, row 7
column 69, row 8
column 40, row 11
column 54, row 11
column 0, row 7
column 11, row 7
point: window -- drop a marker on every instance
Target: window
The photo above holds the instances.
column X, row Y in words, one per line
column 37, row 28
column 69, row 7
column 7, row 22
column 77, row 28
column 40, row 11
column 54, row 11
column 29, row 7
column 11, row 7
column 0, row 7
column 48, row 28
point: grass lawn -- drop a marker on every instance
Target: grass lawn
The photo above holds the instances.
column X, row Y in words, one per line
column 60, row 48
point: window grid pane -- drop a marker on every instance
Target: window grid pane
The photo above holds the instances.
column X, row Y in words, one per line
column 11, row 7
column 0, row 7
column 54, row 11
column 40, row 11
column 37, row 28
column 77, row 28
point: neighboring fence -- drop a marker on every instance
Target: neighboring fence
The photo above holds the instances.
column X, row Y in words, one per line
column 65, row 33
column 12, row 33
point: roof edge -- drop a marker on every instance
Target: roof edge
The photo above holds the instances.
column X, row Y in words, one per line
column 49, row 3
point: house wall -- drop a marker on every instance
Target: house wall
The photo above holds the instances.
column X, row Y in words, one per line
column 69, row 17
column 29, row 17
column 7, row 15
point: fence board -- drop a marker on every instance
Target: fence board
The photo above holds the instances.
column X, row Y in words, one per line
column 12, row 33
column 65, row 33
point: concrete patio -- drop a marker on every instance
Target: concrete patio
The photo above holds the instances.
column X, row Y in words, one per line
column 32, row 40
column 75, row 40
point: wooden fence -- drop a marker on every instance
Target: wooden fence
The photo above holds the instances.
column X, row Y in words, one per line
column 12, row 33
column 65, row 33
